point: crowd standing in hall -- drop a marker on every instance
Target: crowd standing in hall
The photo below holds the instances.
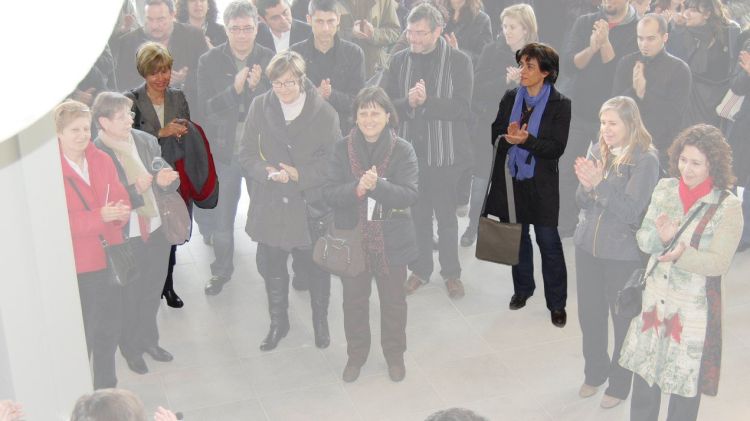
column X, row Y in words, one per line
column 612, row 118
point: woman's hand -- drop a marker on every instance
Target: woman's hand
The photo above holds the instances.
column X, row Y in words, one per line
column 745, row 61
column 143, row 183
column 10, row 411
column 666, row 227
column 293, row 173
column 166, row 176
column 580, row 168
column 516, row 135
column 115, row 212
column 675, row 254
column 276, row 175
column 512, row 74
column 369, row 179
column 163, row 414
column 176, row 127
column 451, row 40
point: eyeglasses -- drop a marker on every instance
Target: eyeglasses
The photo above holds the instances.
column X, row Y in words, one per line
column 239, row 29
column 417, row 34
column 124, row 117
column 287, row 84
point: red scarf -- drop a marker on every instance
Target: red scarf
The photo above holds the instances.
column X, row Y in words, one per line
column 689, row 196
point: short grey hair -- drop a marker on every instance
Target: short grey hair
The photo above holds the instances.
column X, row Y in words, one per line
column 107, row 104
column 427, row 12
column 240, row 9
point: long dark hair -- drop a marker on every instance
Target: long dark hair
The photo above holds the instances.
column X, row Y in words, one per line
column 718, row 18
column 183, row 16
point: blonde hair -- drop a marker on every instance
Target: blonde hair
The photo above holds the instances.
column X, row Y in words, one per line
column 286, row 61
column 68, row 111
column 523, row 13
column 151, row 58
column 637, row 136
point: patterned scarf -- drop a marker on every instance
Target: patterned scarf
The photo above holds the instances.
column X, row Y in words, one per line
column 372, row 231
column 439, row 84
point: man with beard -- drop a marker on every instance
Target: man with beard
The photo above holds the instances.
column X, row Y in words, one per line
column 658, row 82
column 185, row 44
column 596, row 43
column 431, row 86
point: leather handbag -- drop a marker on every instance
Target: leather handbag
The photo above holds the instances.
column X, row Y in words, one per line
column 629, row 300
column 499, row 242
column 340, row 251
column 120, row 257
column 175, row 219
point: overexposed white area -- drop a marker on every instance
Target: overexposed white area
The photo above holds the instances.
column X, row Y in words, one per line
column 47, row 47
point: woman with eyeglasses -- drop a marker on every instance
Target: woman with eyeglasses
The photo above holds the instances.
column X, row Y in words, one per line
column 162, row 112
column 134, row 152
column 288, row 135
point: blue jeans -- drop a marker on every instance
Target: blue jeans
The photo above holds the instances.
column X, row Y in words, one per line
column 230, row 179
column 554, row 272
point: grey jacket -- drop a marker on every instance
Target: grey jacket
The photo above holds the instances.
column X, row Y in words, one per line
column 175, row 106
column 612, row 212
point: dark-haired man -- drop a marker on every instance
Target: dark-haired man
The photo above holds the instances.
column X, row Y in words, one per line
column 279, row 30
column 229, row 77
column 185, row 43
column 334, row 65
column 658, row 82
column 431, row 85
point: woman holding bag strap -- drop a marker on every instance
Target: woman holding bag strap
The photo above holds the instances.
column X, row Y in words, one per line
column 674, row 345
column 532, row 128
column 372, row 164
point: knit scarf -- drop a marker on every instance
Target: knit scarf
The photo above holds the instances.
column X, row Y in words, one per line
column 689, row 196
column 521, row 162
column 439, row 84
column 372, row 231
column 133, row 166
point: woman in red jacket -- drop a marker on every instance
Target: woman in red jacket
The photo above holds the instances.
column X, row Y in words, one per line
column 98, row 206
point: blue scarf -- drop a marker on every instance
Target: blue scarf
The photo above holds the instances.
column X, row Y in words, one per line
column 521, row 162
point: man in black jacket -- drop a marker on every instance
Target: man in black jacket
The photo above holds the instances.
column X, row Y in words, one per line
column 431, row 85
column 594, row 46
column 279, row 31
column 185, row 44
column 658, row 82
column 229, row 77
column 334, row 65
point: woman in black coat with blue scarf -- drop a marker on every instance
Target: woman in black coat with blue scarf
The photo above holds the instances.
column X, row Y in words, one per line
column 533, row 123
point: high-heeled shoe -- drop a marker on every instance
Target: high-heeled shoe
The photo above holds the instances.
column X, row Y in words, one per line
column 173, row 300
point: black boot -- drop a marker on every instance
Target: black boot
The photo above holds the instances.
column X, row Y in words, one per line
column 278, row 302
column 320, row 293
column 167, row 292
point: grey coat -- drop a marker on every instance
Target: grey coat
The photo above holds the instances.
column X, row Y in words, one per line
column 612, row 212
column 277, row 215
column 175, row 106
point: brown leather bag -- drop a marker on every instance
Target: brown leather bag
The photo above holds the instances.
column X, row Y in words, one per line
column 340, row 251
column 175, row 220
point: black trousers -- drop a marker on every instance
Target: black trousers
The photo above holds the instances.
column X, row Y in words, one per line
column 101, row 306
column 599, row 281
column 141, row 298
column 392, row 315
column 437, row 194
column 646, row 400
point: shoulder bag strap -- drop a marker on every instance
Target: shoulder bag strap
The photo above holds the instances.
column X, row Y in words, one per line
column 85, row 205
column 511, row 199
column 676, row 237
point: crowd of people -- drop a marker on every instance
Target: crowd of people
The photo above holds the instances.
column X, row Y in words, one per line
column 619, row 126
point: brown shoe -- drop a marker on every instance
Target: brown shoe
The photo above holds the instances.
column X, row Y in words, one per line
column 396, row 372
column 351, row 372
column 609, row 402
column 455, row 288
column 413, row 284
column 587, row 391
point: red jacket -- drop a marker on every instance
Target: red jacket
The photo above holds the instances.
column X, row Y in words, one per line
column 87, row 225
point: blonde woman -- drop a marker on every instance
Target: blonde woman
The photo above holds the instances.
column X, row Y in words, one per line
column 615, row 185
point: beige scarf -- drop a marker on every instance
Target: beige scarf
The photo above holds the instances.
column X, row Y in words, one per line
column 127, row 154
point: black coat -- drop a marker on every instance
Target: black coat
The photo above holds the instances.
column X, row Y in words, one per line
column 219, row 102
column 489, row 85
column 186, row 45
column 348, row 75
column 473, row 32
column 396, row 189
column 300, row 31
column 277, row 214
column 538, row 198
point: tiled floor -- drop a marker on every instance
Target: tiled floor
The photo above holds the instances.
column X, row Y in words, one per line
column 473, row 353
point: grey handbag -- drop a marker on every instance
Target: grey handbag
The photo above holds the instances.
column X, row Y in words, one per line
column 499, row 242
